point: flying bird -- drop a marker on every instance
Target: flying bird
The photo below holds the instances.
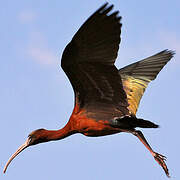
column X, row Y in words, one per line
column 106, row 99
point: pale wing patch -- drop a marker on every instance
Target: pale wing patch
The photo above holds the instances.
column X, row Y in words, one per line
column 134, row 88
column 136, row 76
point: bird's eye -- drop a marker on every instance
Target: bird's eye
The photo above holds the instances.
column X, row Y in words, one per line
column 29, row 136
column 29, row 139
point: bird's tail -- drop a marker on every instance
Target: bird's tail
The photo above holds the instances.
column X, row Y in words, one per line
column 133, row 122
column 145, row 124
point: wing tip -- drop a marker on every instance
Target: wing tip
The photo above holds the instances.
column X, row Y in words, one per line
column 106, row 8
column 169, row 52
column 102, row 7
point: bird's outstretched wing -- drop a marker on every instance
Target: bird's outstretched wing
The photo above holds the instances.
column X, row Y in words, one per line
column 136, row 76
column 88, row 61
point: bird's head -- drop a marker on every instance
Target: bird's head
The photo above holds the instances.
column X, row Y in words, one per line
column 35, row 137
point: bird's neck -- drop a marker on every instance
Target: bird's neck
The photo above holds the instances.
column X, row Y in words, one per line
column 53, row 135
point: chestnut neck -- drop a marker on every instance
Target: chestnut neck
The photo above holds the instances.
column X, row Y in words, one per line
column 52, row 135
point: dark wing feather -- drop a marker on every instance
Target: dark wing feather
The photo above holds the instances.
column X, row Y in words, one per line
column 136, row 76
column 88, row 60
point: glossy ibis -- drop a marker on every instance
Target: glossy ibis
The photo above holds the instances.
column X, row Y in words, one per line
column 106, row 99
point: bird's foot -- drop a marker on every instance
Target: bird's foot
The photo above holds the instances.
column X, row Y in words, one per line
column 161, row 161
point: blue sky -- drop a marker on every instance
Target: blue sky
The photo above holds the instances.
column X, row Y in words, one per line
column 35, row 93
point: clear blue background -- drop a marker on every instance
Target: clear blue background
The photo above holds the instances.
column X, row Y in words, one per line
column 35, row 93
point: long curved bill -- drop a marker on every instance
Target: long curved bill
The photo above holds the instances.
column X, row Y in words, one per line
column 20, row 149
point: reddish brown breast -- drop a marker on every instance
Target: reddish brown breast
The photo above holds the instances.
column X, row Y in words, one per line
column 90, row 127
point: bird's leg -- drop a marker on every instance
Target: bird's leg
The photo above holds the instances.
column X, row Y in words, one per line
column 158, row 157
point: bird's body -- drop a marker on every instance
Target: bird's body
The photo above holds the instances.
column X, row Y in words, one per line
column 80, row 123
column 106, row 99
